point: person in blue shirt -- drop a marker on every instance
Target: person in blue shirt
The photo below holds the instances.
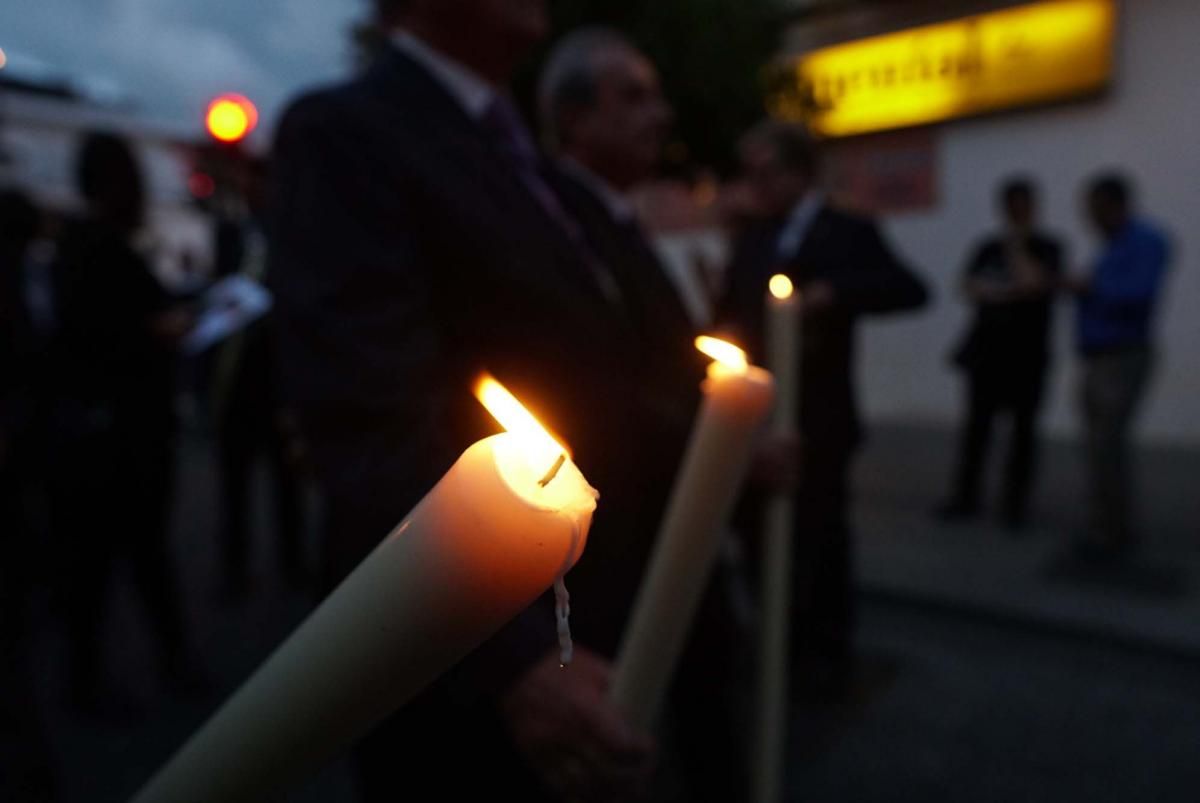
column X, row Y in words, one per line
column 1117, row 302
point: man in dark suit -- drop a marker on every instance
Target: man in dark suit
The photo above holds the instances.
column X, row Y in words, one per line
column 419, row 238
column 28, row 772
column 1011, row 279
column 605, row 116
column 604, row 112
column 844, row 270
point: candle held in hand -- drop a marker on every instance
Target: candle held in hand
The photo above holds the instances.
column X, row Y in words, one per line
column 783, row 357
column 737, row 398
column 495, row 532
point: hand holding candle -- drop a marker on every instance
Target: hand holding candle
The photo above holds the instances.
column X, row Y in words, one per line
column 507, row 521
column 737, row 397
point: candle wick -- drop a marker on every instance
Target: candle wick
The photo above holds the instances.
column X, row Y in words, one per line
column 553, row 472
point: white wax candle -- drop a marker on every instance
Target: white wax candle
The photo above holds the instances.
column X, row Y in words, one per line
column 492, row 535
column 783, row 356
column 737, row 398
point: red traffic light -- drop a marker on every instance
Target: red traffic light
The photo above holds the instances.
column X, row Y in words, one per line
column 230, row 118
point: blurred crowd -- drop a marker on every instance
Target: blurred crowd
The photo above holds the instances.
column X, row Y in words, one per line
column 413, row 231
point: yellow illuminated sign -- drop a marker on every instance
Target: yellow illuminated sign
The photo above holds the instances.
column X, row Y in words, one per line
column 1016, row 56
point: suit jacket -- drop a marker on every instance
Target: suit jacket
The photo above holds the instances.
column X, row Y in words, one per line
column 704, row 705
column 672, row 367
column 408, row 256
column 849, row 253
column 667, row 372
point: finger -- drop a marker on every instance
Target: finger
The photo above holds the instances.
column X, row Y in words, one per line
column 565, row 776
column 591, row 668
column 614, row 781
column 609, row 734
column 585, row 783
column 619, row 774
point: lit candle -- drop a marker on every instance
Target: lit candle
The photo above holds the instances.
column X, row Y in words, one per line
column 783, row 356
column 737, row 397
column 507, row 521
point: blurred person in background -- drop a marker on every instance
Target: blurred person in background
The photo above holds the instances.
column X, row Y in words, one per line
column 1116, row 305
column 844, row 270
column 251, row 422
column 418, row 238
column 1011, row 280
column 26, row 772
column 113, row 462
column 19, row 224
column 603, row 110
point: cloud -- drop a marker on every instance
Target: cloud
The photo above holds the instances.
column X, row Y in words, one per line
column 171, row 56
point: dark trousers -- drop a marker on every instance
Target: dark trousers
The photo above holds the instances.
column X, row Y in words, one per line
column 435, row 750
column 706, row 700
column 242, row 440
column 987, row 398
column 823, row 610
column 1114, row 384
column 26, row 766
column 111, row 498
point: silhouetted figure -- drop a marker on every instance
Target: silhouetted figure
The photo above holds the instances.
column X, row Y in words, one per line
column 601, row 101
column 1117, row 301
column 251, row 422
column 1011, row 280
column 26, row 772
column 113, row 464
column 418, row 239
column 844, row 270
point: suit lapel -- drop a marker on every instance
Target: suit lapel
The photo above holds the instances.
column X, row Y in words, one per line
column 467, row 149
column 809, row 258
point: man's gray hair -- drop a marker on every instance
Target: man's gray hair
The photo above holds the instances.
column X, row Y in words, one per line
column 568, row 81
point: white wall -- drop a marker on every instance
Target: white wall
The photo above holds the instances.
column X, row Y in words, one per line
column 1148, row 126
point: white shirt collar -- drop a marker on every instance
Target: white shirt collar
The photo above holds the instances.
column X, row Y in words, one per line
column 617, row 204
column 798, row 222
column 471, row 91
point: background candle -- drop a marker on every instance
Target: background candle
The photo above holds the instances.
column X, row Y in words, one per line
column 737, row 398
column 783, row 357
column 496, row 531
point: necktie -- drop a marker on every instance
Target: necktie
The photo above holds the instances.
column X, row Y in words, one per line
column 795, row 230
column 509, row 132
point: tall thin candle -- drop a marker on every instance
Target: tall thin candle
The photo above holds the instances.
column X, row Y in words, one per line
column 737, row 398
column 783, row 356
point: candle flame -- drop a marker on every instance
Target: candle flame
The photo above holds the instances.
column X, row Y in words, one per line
column 724, row 352
column 780, row 286
column 538, row 444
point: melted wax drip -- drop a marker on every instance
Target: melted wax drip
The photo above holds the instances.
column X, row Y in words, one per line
column 562, row 616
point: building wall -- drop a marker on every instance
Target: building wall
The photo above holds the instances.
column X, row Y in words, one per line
column 42, row 137
column 1149, row 126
